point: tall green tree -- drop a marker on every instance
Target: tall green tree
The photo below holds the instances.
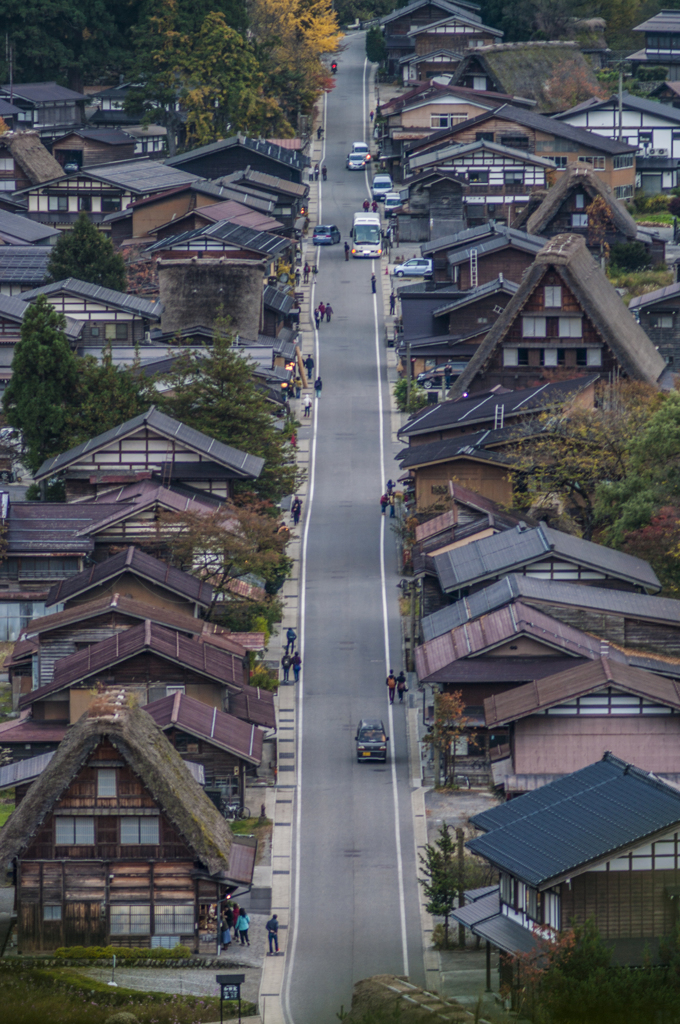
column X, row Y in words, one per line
column 104, row 396
column 44, row 377
column 440, row 881
column 376, row 51
column 87, row 254
column 215, row 392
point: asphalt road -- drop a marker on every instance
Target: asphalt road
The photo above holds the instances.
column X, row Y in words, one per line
column 357, row 913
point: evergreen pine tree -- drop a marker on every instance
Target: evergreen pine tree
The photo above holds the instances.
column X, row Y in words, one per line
column 441, row 882
column 43, row 381
column 88, row 255
column 105, row 396
column 215, row 392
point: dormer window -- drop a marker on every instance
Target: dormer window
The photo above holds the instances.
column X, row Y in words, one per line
column 106, row 782
column 579, row 201
column 552, row 297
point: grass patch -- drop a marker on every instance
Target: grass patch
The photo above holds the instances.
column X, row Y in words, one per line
column 36, row 996
column 653, row 218
column 641, row 282
column 250, row 826
column 5, row 811
column 121, row 953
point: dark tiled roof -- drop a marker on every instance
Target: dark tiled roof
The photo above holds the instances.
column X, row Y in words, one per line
column 245, row 466
column 109, row 136
column 224, row 230
column 107, row 296
column 583, row 818
column 482, row 291
column 35, row 527
column 253, row 705
column 140, row 564
column 528, row 243
column 24, row 264
column 478, row 408
column 25, row 231
column 210, row 724
column 267, row 181
column 447, row 7
column 169, row 644
column 280, row 154
column 278, row 300
column 671, row 291
column 475, row 446
column 43, row 92
column 500, row 554
column 664, row 21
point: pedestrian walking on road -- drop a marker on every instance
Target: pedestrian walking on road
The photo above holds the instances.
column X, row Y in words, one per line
column 390, row 498
column 273, row 934
column 374, row 206
column 367, row 206
column 319, row 132
column 297, row 275
column 401, row 686
column 298, row 386
column 324, row 172
column 315, row 270
column 373, row 283
column 390, row 486
column 297, row 665
column 242, row 926
column 391, row 689
column 322, row 311
column 384, row 502
column 316, row 172
column 346, row 252
column 291, row 637
column 316, row 318
column 285, row 665
column 372, row 115
column 309, row 365
column 318, row 384
column 305, row 274
column 296, row 510
column 393, row 303
column 329, row 312
column 306, row 405
column 293, row 439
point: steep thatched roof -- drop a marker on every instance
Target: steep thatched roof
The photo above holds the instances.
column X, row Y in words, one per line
column 159, row 767
column 532, row 70
column 568, row 255
column 34, row 160
column 581, row 178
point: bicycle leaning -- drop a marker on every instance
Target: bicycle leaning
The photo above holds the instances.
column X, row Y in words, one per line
column 234, row 810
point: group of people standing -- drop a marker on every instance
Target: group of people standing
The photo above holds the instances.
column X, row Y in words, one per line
column 235, row 917
column 324, row 309
column 291, row 658
column 387, row 500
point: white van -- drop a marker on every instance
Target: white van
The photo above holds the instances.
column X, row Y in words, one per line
column 392, row 203
column 360, row 148
column 381, row 185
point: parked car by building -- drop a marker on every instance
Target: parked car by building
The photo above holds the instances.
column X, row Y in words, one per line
column 417, row 267
column 381, row 185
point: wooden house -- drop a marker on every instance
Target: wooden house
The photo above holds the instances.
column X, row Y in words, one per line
column 561, row 723
column 107, row 316
column 151, row 443
column 99, row 190
column 229, row 209
column 397, row 26
column 566, row 209
column 533, row 133
column 224, row 239
column 153, row 662
column 498, row 177
column 540, row 71
column 86, row 147
column 456, row 32
column 228, row 749
column 480, row 254
column 662, row 43
column 45, row 104
column 433, row 205
column 566, row 854
column 116, row 844
column 238, row 153
column 565, row 314
column 290, row 197
column 24, row 161
column 658, row 313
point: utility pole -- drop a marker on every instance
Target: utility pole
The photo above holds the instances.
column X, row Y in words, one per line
column 620, row 103
column 460, row 836
column 408, row 375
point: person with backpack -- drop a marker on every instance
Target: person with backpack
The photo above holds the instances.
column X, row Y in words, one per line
column 296, row 662
column 402, row 688
column 391, row 682
column 322, row 311
column 286, row 662
column 307, row 405
column 296, row 510
column 384, row 502
column 242, row 926
column 273, row 934
column 291, row 637
column 318, row 384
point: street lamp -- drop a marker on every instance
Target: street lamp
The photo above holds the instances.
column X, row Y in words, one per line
column 230, row 988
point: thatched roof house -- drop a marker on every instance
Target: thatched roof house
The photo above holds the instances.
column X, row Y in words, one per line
column 566, row 315
column 33, row 163
column 575, row 190
column 117, row 803
column 539, row 71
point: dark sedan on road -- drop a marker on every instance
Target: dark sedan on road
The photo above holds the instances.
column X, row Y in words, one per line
column 371, row 740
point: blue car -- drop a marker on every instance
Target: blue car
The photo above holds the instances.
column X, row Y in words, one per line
column 326, row 234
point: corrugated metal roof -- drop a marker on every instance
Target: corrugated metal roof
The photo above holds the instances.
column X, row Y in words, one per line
column 203, row 659
column 139, row 564
column 43, row 92
column 275, row 298
column 500, row 554
column 478, row 446
column 585, row 817
column 671, row 291
column 268, row 181
column 480, row 909
column 141, row 175
column 499, row 284
column 13, row 307
column 664, row 21
column 244, row 465
column 210, row 724
column 530, row 244
column 107, row 296
column 664, row 111
column 109, row 136
column 253, row 705
column 27, row 232
column 24, row 771
column 24, row 264
column 224, row 230
column 35, row 527
column 483, row 670
column 290, row 157
column 508, row 935
column 551, row 691
column 448, row 8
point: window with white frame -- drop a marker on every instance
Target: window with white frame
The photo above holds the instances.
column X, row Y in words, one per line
column 479, row 82
column 533, row 326
column 596, row 162
column 552, row 296
column 514, row 177
column 507, row 889
column 142, row 831
column 560, row 162
column 579, row 220
column 623, row 161
column 106, row 782
column 579, row 201
column 56, row 203
column 594, row 357
column 623, row 191
column 73, row 831
column 661, row 320
column 169, row 690
column 130, row 919
column 52, row 912
column 510, row 356
column 173, row 919
column 551, row 910
column 570, row 327
column 8, row 185
column 439, row 120
column 548, row 357
column 7, row 164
